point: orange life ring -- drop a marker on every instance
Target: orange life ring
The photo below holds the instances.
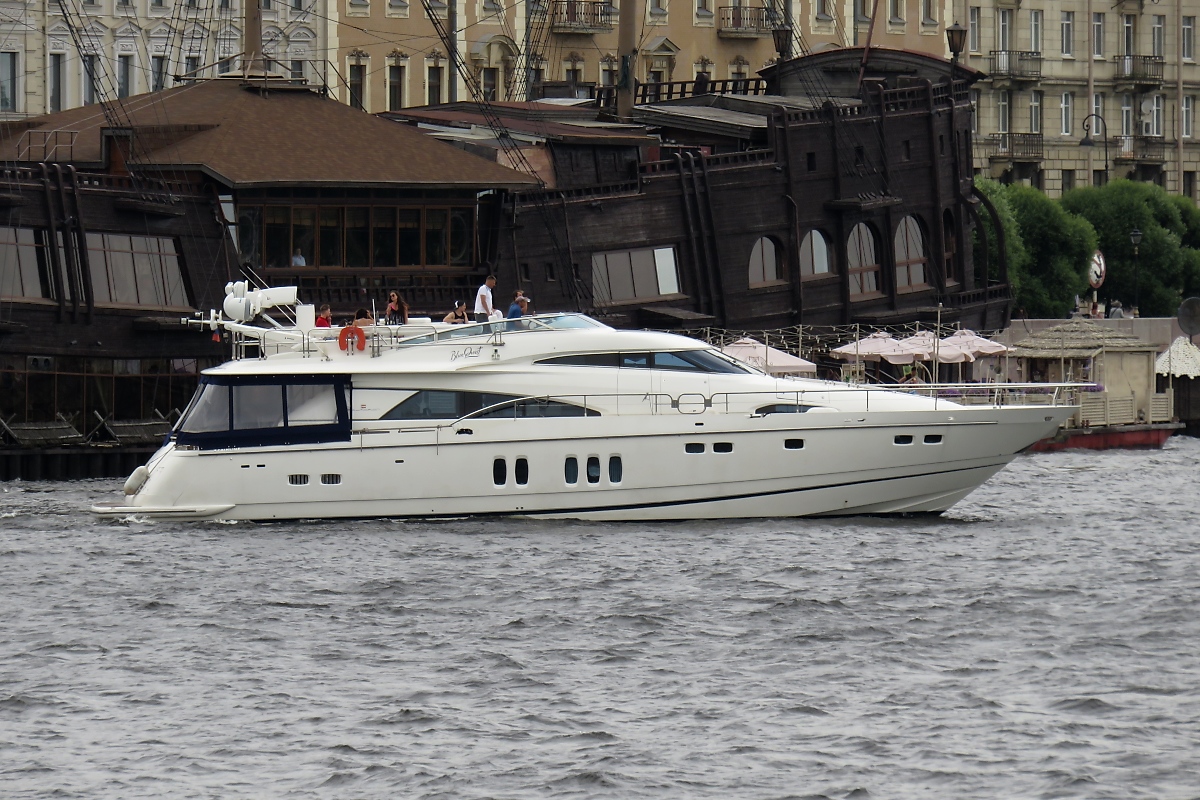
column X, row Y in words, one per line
column 352, row 331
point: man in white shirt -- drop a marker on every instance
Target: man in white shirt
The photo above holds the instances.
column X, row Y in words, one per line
column 483, row 299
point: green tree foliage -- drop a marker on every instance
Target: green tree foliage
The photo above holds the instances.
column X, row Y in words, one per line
column 1059, row 245
column 1165, row 265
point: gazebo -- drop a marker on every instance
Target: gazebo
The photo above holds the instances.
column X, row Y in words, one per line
column 1121, row 364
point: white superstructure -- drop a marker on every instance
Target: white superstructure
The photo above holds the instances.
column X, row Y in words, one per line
column 551, row 416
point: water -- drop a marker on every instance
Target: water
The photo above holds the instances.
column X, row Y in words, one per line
column 1039, row 641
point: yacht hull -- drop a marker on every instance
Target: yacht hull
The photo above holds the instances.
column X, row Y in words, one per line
column 659, row 468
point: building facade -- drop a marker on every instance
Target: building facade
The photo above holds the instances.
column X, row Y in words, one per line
column 1121, row 78
column 391, row 56
column 111, row 49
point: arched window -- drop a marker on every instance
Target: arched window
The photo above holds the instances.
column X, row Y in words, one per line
column 910, row 254
column 814, row 255
column 764, row 262
column 951, row 247
column 862, row 260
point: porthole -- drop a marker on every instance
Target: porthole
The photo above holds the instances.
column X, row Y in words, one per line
column 521, row 471
column 571, row 470
column 499, row 472
column 793, row 444
column 593, row 469
column 298, row 480
column 615, row 470
column 933, row 438
column 723, row 447
column 693, row 447
column 903, row 438
column 331, row 479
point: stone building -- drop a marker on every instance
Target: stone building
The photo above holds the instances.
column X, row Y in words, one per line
column 1122, row 79
column 391, row 56
column 110, row 49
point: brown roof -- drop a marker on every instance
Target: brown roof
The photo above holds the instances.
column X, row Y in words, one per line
column 248, row 137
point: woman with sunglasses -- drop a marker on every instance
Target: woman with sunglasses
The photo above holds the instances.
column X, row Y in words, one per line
column 397, row 310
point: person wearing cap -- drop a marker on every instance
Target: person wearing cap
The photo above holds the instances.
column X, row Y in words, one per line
column 459, row 315
column 519, row 306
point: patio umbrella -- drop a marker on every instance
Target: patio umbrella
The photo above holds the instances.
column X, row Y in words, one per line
column 878, row 346
column 768, row 359
column 927, row 344
column 973, row 343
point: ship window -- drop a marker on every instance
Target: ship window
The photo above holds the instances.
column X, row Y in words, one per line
column 903, row 438
column 793, row 444
column 252, row 411
column 209, row 410
column 634, row 274
column 783, row 408
column 862, row 256
column 722, row 447
column 444, row 404
column 583, row 360
column 814, row 255
column 615, row 469
column 910, row 254
column 593, row 469
column 499, row 472
column 24, row 263
column 136, row 271
column 764, row 262
column 693, row 447
column 571, row 470
column 933, row 438
column 257, row 406
column 311, row 404
column 521, row 471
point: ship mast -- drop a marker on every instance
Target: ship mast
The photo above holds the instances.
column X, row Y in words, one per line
column 627, row 51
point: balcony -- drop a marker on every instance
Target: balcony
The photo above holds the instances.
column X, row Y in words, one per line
column 1147, row 149
column 571, row 16
column 1138, row 70
column 744, row 22
column 1018, row 65
column 1014, row 146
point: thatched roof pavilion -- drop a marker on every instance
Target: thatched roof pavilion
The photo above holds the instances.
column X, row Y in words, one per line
column 1079, row 339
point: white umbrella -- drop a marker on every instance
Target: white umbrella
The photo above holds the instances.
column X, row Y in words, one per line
column 973, row 343
column 877, row 347
column 768, row 359
column 927, row 344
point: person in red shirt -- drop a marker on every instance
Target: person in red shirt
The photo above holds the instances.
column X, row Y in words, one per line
column 325, row 317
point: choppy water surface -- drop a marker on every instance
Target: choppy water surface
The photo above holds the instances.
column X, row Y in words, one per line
column 1041, row 640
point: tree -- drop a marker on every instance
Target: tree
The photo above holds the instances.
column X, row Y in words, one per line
column 1156, row 278
column 1059, row 245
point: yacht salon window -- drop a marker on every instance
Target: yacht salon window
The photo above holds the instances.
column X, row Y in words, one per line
column 247, row 412
column 445, row 404
column 684, row 360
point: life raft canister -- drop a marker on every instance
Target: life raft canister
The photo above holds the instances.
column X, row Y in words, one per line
column 352, row 332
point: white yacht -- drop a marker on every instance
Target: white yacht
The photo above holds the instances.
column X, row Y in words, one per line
column 553, row 416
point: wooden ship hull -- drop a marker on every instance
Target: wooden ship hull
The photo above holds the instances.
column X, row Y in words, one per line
column 893, row 163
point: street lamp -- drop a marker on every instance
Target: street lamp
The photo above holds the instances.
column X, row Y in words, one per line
column 782, row 34
column 1135, row 236
column 1087, row 141
column 956, row 38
